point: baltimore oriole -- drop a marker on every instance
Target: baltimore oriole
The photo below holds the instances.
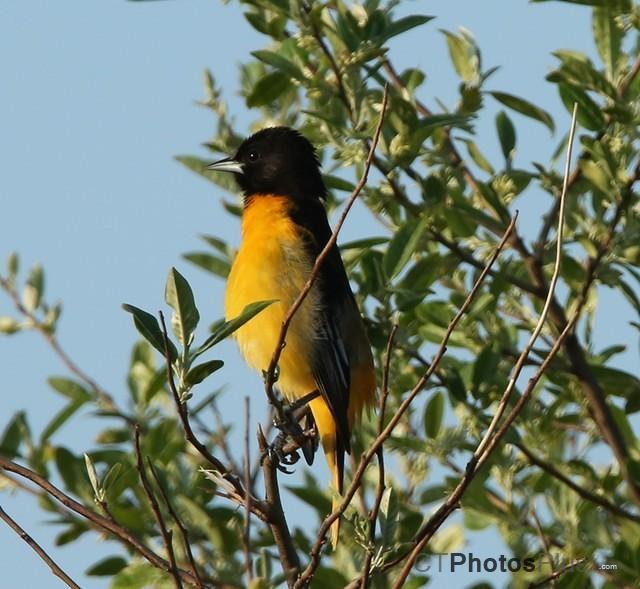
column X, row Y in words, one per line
column 284, row 228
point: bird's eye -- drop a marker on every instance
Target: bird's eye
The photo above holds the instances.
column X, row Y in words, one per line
column 253, row 156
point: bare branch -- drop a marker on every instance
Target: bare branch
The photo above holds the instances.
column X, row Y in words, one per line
column 373, row 516
column 153, row 502
column 524, row 355
column 270, row 377
column 277, row 520
column 387, row 431
column 183, row 530
column 41, row 552
column 556, row 574
column 246, row 533
column 545, row 542
column 102, row 396
column 584, row 493
column 101, row 522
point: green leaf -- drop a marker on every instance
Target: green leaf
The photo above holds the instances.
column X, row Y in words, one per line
column 13, row 435
column 337, row 183
column 60, row 419
column 93, row 475
column 402, row 25
column 69, row 388
column 433, row 415
column 13, row 265
column 198, row 373
column 216, row 243
column 269, row 88
column 313, row 497
column 149, row 328
column 137, row 575
column 506, row 134
column 72, row 533
column 366, row 243
column 280, row 63
column 464, row 55
column 107, row 567
column 228, row 327
column 617, row 382
column 112, row 476
column 608, row 36
column 9, row 326
column 402, row 246
column 589, row 113
column 68, row 467
column 389, row 510
column 478, row 158
column 34, row 287
column 524, row 107
column 596, row 174
column 484, row 368
column 213, row 264
column 185, row 316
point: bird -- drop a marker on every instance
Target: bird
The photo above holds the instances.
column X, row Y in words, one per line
column 284, row 228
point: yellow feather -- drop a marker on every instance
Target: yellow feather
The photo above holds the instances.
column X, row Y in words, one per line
column 271, row 264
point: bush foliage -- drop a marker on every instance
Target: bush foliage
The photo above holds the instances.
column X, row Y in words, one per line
column 443, row 207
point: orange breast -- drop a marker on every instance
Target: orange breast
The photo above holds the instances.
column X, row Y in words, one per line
column 271, row 264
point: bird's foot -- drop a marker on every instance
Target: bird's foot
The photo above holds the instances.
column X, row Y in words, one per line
column 292, row 438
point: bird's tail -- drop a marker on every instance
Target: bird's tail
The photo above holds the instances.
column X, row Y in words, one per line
column 334, row 453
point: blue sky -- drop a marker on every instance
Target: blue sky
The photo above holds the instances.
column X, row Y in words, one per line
column 96, row 99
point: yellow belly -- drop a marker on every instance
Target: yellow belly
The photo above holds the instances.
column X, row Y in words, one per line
column 271, row 264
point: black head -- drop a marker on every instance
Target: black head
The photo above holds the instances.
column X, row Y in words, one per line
column 276, row 160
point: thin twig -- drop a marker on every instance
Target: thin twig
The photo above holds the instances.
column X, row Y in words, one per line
column 167, row 537
column 584, row 493
column 452, row 502
column 277, row 519
column 557, row 574
column 491, row 438
column 305, row 577
column 373, row 516
column 41, row 552
column 270, row 377
column 543, row 315
column 102, row 396
column 183, row 530
column 545, row 542
column 101, row 522
column 235, row 486
column 246, row 533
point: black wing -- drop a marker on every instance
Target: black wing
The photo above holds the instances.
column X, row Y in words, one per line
column 331, row 359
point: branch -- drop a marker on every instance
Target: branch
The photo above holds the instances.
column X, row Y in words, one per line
column 373, row 516
column 545, row 542
column 233, row 486
column 55, row 569
column 491, row 438
column 102, row 396
column 166, row 534
column 183, row 530
column 584, row 493
column 557, row 574
column 101, row 522
column 452, row 502
column 246, row 532
column 270, row 377
column 545, row 310
column 305, row 577
column 277, row 520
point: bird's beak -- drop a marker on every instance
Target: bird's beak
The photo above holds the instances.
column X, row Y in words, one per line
column 228, row 164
